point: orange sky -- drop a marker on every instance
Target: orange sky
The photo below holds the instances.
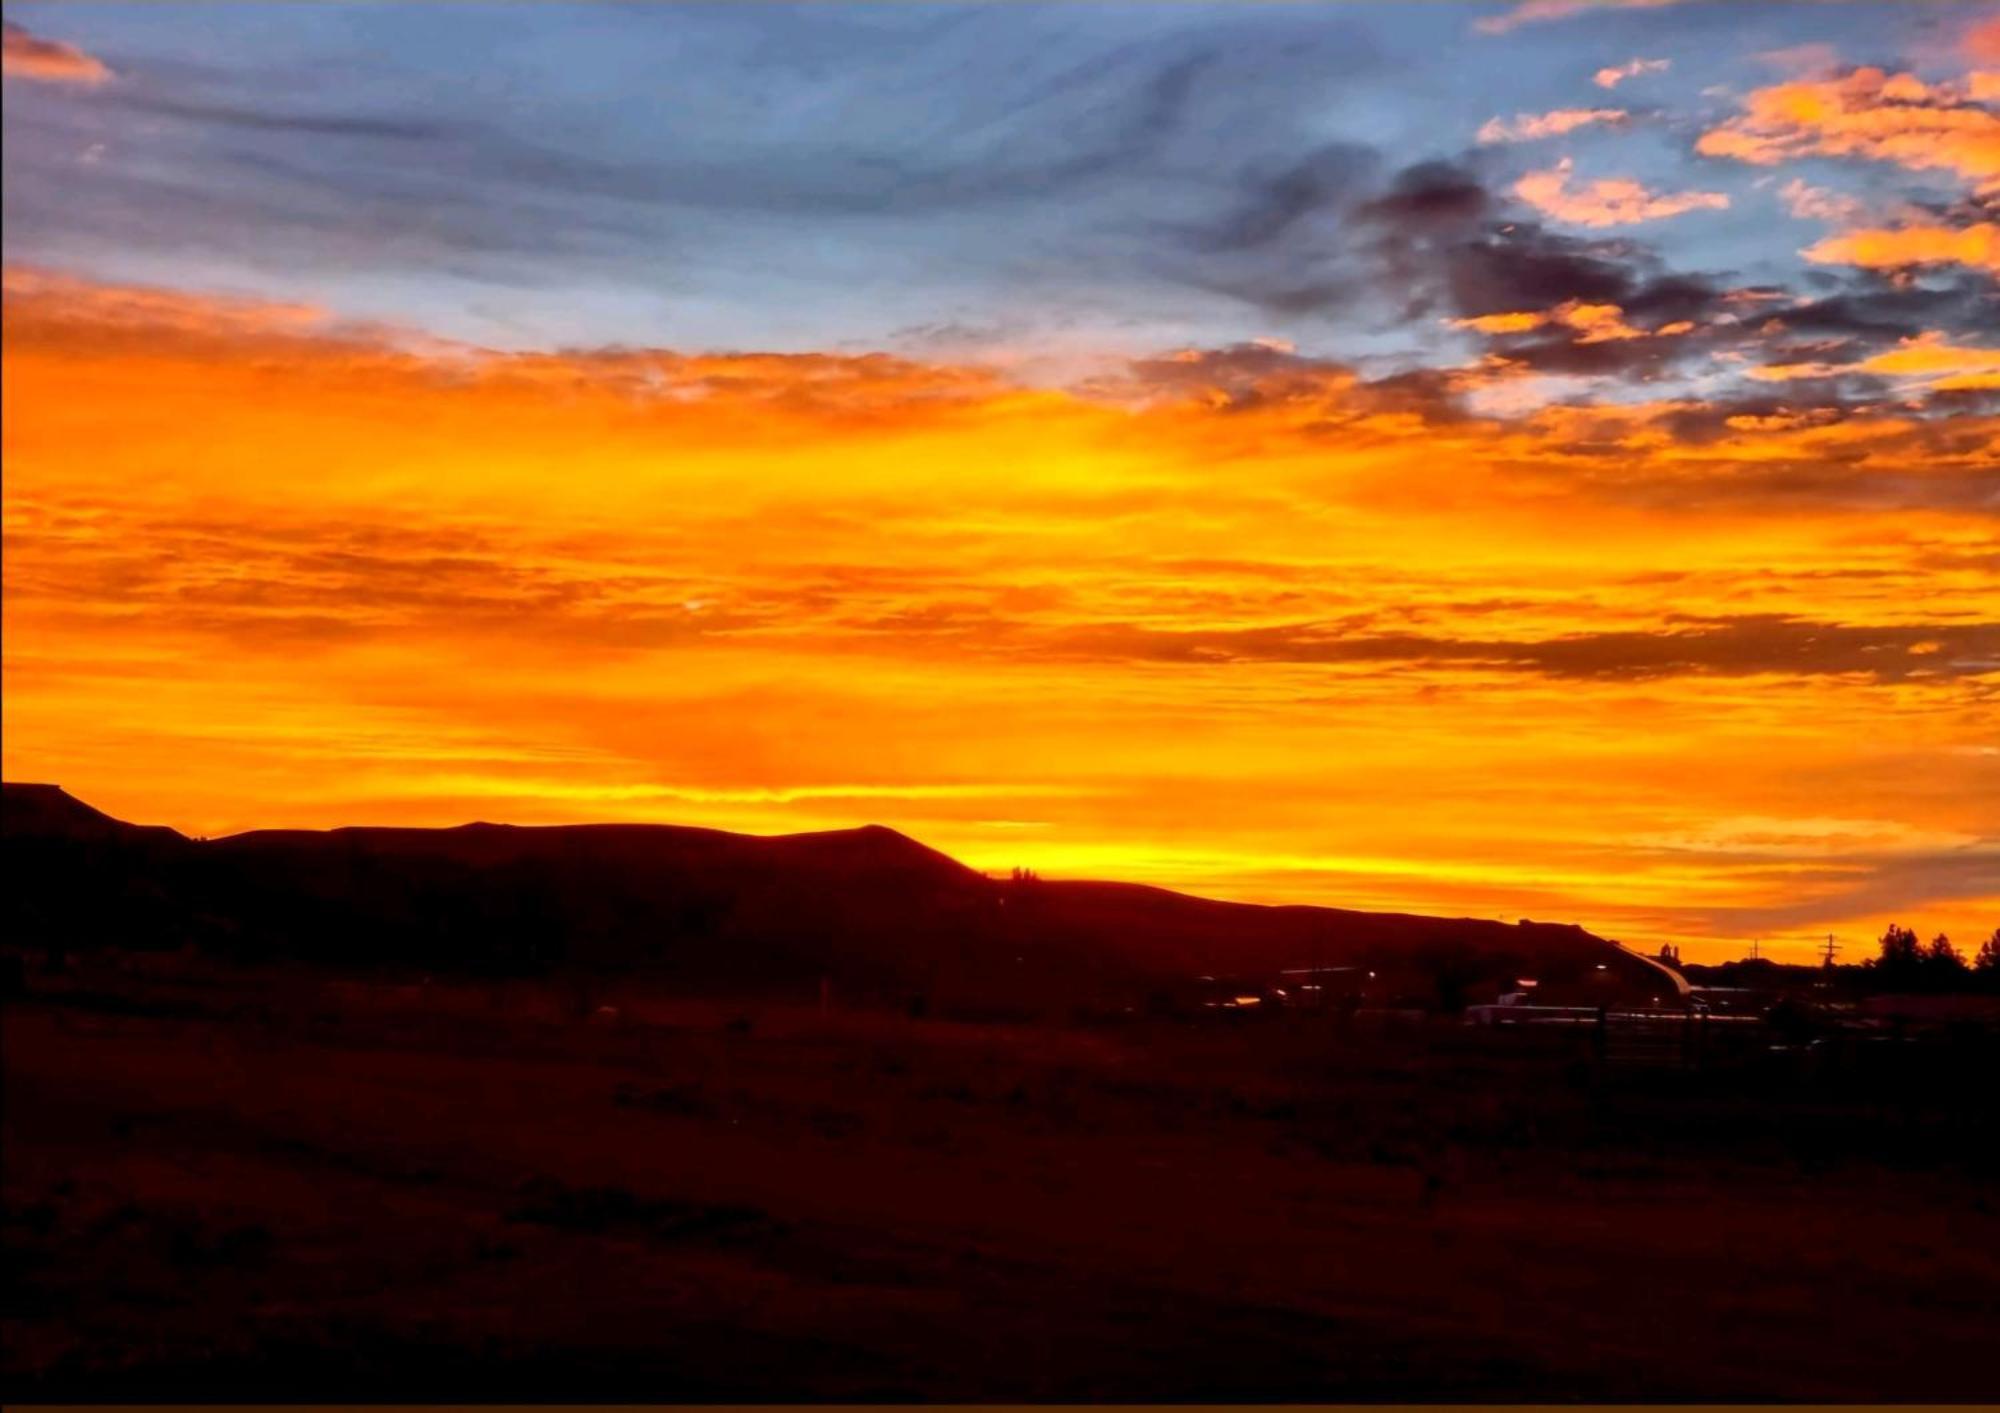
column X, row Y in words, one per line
column 1232, row 621
column 1517, row 460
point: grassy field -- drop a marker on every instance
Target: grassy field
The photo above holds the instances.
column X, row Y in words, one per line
column 270, row 1186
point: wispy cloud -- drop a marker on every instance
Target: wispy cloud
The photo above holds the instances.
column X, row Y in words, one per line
column 1532, row 12
column 1928, row 358
column 27, row 56
column 1529, row 127
column 1975, row 246
column 1613, row 75
column 1868, row 114
column 1051, row 414
column 1608, row 201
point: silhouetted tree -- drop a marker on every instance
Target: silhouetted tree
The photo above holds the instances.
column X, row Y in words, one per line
column 1942, row 957
column 1901, row 952
column 1899, row 946
column 1988, row 960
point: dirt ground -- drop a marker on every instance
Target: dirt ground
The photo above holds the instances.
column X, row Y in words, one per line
column 249, row 1187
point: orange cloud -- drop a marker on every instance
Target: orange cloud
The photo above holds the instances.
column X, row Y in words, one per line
column 1530, row 12
column 1982, row 41
column 1598, row 323
column 1613, row 76
column 265, row 568
column 49, row 299
column 1514, row 322
column 23, row 55
column 1977, row 246
column 1867, row 114
column 1929, row 358
column 1616, row 201
column 1528, row 127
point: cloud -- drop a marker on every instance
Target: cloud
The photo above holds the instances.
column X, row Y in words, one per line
column 1615, row 201
column 1269, row 378
column 1448, row 250
column 1596, row 323
column 1814, row 203
column 1081, row 142
column 41, row 299
column 1811, row 60
column 257, row 555
column 1528, row 127
column 1976, row 246
column 1928, row 358
column 1867, row 114
column 1530, row 12
column 1430, row 196
column 1612, row 77
column 1273, row 203
column 1744, row 645
column 23, row 55
column 1877, row 309
column 1436, row 243
column 1982, row 41
column 55, row 314
column 313, row 124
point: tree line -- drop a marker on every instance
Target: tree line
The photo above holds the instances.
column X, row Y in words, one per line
column 1905, row 960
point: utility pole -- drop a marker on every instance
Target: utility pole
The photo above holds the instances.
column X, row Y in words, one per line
column 1753, row 949
column 1827, row 951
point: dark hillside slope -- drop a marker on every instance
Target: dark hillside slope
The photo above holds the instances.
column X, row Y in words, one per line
column 76, row 877
column 50, row 812
column 869, row 909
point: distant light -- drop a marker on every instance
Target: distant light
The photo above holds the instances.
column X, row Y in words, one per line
column 1371, row 975
column 1600, row 966
column 1249, row 1000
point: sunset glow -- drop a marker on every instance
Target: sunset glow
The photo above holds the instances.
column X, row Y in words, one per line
column 1539, row 518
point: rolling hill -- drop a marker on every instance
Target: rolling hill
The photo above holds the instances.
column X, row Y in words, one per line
column 875, row 912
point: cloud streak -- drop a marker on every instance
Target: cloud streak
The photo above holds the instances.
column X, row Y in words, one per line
column 1867, row 114
column 1538, row 12
column 1531, row 127
column 1608, row 201
column 27, row 56
column 772, row 419
column 1897, row 248
column 1612, row 76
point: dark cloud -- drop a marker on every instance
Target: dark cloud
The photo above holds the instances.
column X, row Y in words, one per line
column 1430, row 196
column 1246, row 377
column 1434, row 241
column 1873, row 309
column 1735, row 646
column 322, row 125
column 1863, row 882
column 1020, row 139
column 1273, row 205
column 1523, row 266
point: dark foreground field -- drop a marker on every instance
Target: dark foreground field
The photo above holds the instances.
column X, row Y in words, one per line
column 255, row 1186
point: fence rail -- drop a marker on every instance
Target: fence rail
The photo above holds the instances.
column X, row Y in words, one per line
column 1641, row 1039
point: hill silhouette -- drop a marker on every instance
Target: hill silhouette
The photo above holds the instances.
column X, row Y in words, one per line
column 870, row 910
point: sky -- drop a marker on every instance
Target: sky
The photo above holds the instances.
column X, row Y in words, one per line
column 1509, row 460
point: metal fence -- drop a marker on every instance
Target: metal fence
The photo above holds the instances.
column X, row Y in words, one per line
column 1643, row 1039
